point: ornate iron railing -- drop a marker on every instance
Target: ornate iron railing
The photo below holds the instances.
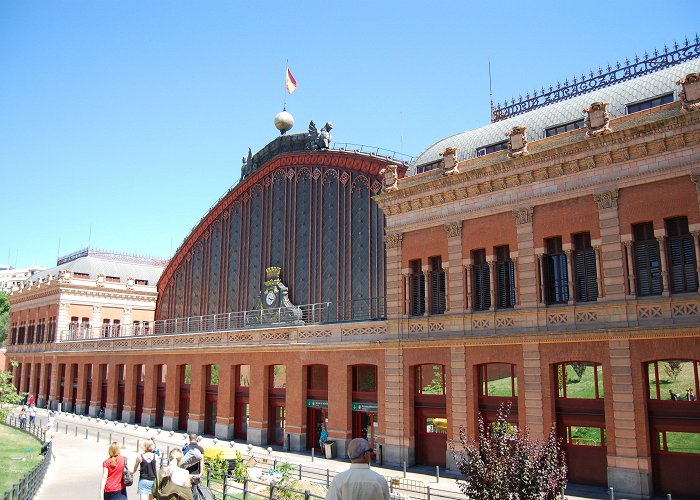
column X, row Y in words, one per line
column 597, row 80
column 373, row 150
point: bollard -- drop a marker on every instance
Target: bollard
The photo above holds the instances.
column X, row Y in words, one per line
column 312, row 454
column 668, row 496
column 86, row 433
column 328, row 478
column 110, row 438
column 123, row 441
column 561, row 494
column 612, row 494
column 404, row 469
column 299, row 472
column 437, row 473
column 427, row 489
column 66, row 429
column 98, row 436
column 76, row 431
column 137, row 445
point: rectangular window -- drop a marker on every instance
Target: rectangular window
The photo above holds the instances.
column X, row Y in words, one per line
column 278, row 377
column 650, row 103
column 141, row 282
column 81, row 275
column 585, row 436
column 580, row 380
column 492, row 148
column 481, row 281
column 679, row 442
column 427, row 167
column 213, row 374
column 112, row 279
column 565, row 127
column 498, row 379
column 417, row 288
column 364, row 378
column 243, row 379
column 554, row 273
column 674, row 380
column 586, row 284
column 681, row 256
column 430, row 379
column 437, row 286
column 647, row 260
column 187, row 374
column 505, row 278
column 163, row 373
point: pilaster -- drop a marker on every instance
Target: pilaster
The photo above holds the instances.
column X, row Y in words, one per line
column 80, row 403
column 224, row 403
column 172, row 397
column 195, row 420
column 295, row 403
column 611, row 248
column 392, row 243
column 258, row 423
column 532, row 378
column 455, row 272
column 457, row 400
column 339, row 407
column 527, row 284
column 132, row 373
column 396, row 446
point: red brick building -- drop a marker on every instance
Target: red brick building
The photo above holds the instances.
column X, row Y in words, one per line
column 548, row 260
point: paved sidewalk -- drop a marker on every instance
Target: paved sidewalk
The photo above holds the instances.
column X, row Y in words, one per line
column 77, row 469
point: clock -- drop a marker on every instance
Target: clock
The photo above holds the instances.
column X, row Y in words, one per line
column 270, row 297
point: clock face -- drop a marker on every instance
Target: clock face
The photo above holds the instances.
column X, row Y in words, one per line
column 270, row 298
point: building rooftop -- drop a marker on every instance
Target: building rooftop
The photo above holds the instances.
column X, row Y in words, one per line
column 539, row 119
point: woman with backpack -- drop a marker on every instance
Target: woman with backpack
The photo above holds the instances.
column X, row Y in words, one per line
column 147, row 465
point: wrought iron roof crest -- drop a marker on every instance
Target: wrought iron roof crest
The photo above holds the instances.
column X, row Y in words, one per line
column 598, row 79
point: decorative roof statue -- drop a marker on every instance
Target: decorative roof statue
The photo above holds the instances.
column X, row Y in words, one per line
column 390, row 178
column 597, row 119
column 690, row 91
column 450, row 165
column 247, row 167
column 517, row 143
column 319, row 139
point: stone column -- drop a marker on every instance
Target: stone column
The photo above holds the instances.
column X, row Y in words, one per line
column 455, row 271
column 126, row 318
column 40, row 401
column 80, row 403
column 540, row 278
column 257, row 397
column 532, row 378
column 628, row 472
column 611, row 250
column 492, row 281
column 661, row 238
column 62, row 321
column 396, row 447
column 172, row 397
column 225, row 402
column 295, row 402
column 54, row 388
column 407, row 293
column 97, row 378
column 392, row 243
column 132, row 373
column 570, row 271
column 527, row 284
column 195, row 422
column 96, row 322
column 340, row 406
column 150, row 395
column 426, row 289
column 113, row 378
column 696, row 241
column 457, row 399
column 632, row 279
column 468, row 277
column 599, row 282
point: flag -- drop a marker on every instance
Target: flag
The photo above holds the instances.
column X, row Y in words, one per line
column 291, row 83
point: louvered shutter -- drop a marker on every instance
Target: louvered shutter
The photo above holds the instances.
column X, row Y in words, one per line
column 437, row 291
column 417, row 294
column 505, row 275
column 585, row 274
column 482, row 287
column 681, row 255
column 648, row 265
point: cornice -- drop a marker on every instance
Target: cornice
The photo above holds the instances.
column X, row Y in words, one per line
column 603, row 151
column 58, row 290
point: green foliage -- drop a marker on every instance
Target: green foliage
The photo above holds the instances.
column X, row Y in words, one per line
column 16, row 445
column 4, row 318
column 240, row 471
column 218, row 466
column 286, row 481
column 8, row 393
column 579, row 368
column 506, row 463
column 673, row 368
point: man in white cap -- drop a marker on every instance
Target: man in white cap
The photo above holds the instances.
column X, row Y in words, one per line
column 359, row 482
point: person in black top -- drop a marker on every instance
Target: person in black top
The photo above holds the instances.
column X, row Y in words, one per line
column 147, row 465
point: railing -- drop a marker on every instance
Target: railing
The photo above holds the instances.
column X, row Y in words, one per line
column 361, row 148
column 29, row 484
column 309, row 314
column 597, row 80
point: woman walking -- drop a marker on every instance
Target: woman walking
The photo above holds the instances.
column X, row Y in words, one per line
column 112, row 487
column 173, row 482
column 147, row 465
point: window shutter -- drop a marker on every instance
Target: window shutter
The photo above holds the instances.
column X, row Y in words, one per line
column 505, row 275
column 681, row 256
column 417, row 294
column 647, row 260
column 437, row 290
column 482, row 287
column 585, row 274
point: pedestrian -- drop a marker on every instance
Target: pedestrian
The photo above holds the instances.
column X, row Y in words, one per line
column 30, row 401
column 23, row 418
column 147, row 465
column 173, row 482
column 113, row 487
column 52, row 420
column 32, row 414
column 193, row 459
column 690, row 394
column 359, row 482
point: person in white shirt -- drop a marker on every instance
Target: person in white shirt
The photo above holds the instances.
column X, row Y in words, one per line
column 359, row 482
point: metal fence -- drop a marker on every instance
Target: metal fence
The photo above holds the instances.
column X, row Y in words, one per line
column 29, row 484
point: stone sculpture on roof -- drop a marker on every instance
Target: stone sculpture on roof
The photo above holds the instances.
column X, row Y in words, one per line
column 319, row 139
column 597, row 119
column 390, row 178
column 449, row 161
column 690, row 91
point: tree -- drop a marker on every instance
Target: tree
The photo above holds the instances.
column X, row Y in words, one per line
column 579, row 368
column 8, row 393
column 506, row 463
column 4, row 318
column 673, row 368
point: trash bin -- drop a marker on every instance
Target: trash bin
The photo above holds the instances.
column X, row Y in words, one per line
column 330, row 449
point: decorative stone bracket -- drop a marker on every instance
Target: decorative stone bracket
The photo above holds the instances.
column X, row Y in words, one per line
column 523, row 215
column 690, row 91
column 454, row 229
column 608, row 199
column 390, row 178
column 597, row 119
column 517, row 143
column 393, row 240
column 450, row 165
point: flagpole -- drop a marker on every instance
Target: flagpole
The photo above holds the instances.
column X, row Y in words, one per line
column 284, row 86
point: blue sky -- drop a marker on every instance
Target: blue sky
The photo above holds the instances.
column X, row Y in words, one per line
column 123, row 121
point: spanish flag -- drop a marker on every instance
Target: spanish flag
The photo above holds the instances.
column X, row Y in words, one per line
column 291, row 83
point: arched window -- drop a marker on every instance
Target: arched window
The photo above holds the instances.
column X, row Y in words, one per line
column 673, row 380
column 498, row 379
